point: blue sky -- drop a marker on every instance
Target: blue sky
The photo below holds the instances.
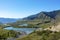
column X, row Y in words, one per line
column 24, row 8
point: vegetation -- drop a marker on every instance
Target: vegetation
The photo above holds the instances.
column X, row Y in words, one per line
column 32, row 24
column 40, row 20
column 42, row 35
column 4, row 34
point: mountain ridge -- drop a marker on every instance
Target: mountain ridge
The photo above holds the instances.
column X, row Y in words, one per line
column 51, row 14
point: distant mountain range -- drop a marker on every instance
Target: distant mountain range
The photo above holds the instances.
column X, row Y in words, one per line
column 7, row 20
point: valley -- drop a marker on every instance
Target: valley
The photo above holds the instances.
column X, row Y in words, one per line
column 35, row 27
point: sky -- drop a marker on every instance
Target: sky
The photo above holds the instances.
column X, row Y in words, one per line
column 24, row 8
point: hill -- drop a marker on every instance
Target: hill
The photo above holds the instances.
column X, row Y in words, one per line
column 42, row 15
column 42, row 19
column 42, row 35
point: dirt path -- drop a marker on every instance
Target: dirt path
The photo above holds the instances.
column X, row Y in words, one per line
column 54, row 28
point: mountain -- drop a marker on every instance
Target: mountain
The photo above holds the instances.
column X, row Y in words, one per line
column 42, row 19
column 45, row 15
column 7, row 20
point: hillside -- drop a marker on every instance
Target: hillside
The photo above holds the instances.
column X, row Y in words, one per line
column 40, row 19
column 42, row 15
column 42, row 35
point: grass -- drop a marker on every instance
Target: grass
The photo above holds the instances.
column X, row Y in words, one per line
column 42, row 35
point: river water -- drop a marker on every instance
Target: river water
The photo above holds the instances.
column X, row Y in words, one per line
column 26, row 30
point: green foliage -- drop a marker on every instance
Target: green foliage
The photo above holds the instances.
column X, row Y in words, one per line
column 4, row 34
column 42, row 35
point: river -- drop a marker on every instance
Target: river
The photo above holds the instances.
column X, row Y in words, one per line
column 26, row 30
